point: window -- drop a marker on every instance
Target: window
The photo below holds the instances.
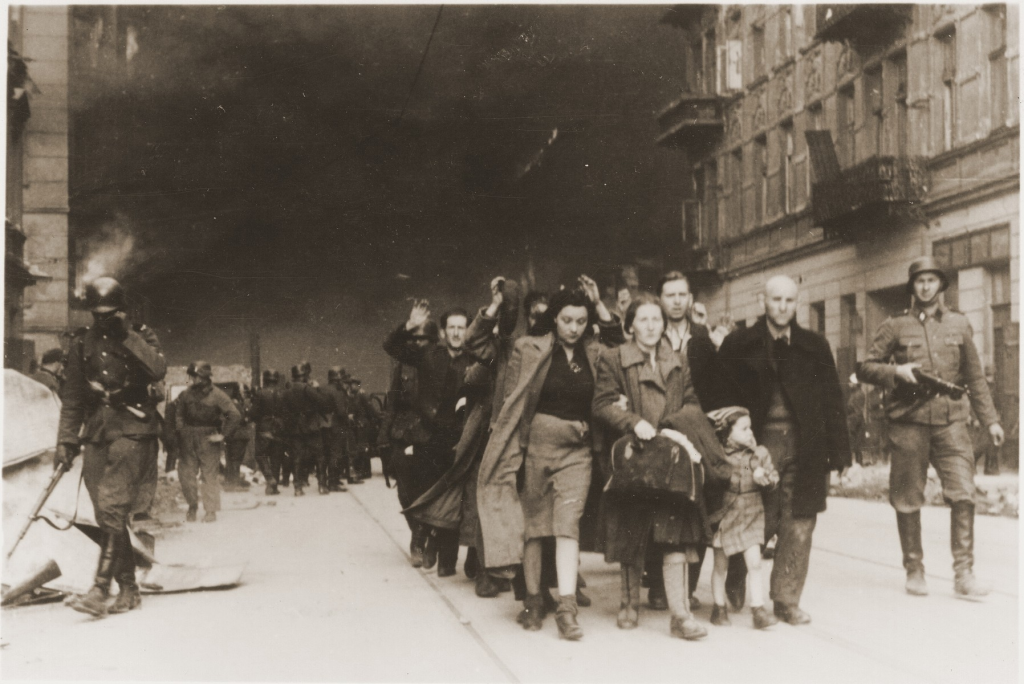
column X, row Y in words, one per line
column 815, row 122
column 810, row 17
column 709, row 211
column 873, row 109
column 786, row 175
column 730, row 66
column 974, row 249
column 997, row 64
column 901, row 132
column 734, row 215
column 761, row 178
column 757, row 42
column 947, row 44
column 709, row 66
column 845, row 121
column 785, row 44
column 817, row 318
column 999, row 278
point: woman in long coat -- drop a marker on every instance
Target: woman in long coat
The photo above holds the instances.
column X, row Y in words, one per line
column 544, row 423
column 655, row 382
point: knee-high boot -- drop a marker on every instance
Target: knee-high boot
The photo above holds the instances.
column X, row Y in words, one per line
column 966, row 585
column 909, row 526
column 128, row 597
column 95, row 601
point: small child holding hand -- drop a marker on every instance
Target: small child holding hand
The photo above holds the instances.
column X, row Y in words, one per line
column 741, row 517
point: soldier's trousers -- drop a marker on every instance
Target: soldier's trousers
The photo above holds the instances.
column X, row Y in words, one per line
column 308, row 451
column 947, row 447
column 793, row 549
column 234, row 454
column 269, row 457
column 337, row 454
column 114, row 475
column 199, row 454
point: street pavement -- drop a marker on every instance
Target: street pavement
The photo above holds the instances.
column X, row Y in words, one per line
column 328, row 595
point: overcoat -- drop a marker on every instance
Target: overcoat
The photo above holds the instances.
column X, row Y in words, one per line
column 652, row 396
column 501, row 514
column 451, row 502
column 810, row 383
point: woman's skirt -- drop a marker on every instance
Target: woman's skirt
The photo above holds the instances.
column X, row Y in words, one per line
column 557, row 477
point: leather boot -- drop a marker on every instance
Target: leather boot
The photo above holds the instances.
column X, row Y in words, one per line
column 909, row 525
column 271, row 489
column 419, row 540
column 565, row 618
column 95, row 601
column 965, row 585
column 128, row 598
column 629, row 599
column 191, row 515
column 533, row 613
column 486, row 586
column 472, row 565
column 430, row 550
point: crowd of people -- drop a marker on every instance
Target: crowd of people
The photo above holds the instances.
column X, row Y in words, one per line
column 636, row 433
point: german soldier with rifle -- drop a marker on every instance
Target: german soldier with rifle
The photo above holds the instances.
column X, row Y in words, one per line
column 109, row 412
column 927, row 359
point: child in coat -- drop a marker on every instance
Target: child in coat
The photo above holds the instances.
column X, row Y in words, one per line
column 741, row 516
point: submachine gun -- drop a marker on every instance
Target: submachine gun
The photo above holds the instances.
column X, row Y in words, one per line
column 928, row 386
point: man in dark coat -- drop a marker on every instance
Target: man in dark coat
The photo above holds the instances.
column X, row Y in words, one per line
column 441, row 372
column 693, row 341
column 786, row 377
column 108, row 407
column 451, row 503
column 337, row 433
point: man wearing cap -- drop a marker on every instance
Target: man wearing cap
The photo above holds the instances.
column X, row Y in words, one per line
column 267, row 412
column 48, row 372
column 204, row 415
column 109, row 411
column 928, row 427
column 364, row 416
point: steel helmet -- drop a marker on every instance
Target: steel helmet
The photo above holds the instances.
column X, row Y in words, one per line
column 925, row 264
column 270, row 377
column 335, row 374
column 104, row 294
column 201, row 369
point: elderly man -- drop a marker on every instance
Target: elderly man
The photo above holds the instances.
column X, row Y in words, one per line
column 928, row 424
column 786, row 377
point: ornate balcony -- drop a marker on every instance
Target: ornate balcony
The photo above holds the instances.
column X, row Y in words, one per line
column 861, row 23
column 875, row 195
column 692, row 121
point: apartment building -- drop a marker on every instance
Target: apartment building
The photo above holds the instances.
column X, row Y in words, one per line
column 836, row 143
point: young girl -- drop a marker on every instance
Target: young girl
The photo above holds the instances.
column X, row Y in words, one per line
column 741, row 517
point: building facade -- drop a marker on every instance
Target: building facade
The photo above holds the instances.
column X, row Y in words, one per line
column 835, row 144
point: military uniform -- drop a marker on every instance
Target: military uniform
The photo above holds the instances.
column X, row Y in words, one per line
column 932, row 429
column 928, row 427
column 337, row 438
column 306, row 406
column 235, row 445
column 202, row 412
column 267, row 413
column 109, row 410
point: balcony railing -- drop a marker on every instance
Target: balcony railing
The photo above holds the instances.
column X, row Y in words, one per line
column 692, row 121
column 861, row 23
column 874, row 195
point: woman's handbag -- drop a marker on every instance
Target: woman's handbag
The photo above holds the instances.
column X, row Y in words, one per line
column 659, row 467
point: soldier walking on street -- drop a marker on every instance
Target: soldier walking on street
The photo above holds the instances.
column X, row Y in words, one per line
column 267, row 413
column 364, row 415
column 925, row 356
column 337, row 434
column 108, row 408
column 307, row 405
column 204, row 414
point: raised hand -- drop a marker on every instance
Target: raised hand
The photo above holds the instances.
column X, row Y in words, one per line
column 419, row 314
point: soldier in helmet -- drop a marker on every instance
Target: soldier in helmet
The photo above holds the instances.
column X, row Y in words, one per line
column 307, row 405
column 338, row 432
column 109, row 410
column 204, row 414
column 364, row 416
column 268, row 415
column 928, row 427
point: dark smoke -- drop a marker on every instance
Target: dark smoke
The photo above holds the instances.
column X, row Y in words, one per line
column 258, row 157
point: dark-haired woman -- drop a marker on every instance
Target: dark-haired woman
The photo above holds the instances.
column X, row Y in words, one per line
column 545, row 419
column 655, row 382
